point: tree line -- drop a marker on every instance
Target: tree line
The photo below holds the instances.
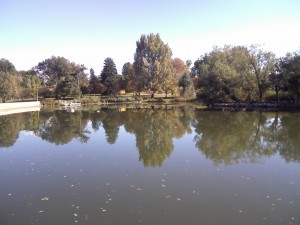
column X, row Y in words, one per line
column 226, row 74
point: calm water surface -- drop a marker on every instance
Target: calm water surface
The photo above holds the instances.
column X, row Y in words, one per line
column 150, row 166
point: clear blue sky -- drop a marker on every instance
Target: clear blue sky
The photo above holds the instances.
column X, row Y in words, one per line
column 88, row 31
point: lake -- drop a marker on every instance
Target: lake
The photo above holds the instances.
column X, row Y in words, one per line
column 168, row 165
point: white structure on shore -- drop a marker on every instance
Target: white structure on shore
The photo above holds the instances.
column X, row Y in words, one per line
column 18, row 107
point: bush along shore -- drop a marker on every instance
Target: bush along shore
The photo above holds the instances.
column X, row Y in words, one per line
column 264, row 106
column 104, row 101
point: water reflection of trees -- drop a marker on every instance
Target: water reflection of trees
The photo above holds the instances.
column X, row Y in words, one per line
column 155, row 130
column 223, row 137
column 11, row 125
column 290, row 137
column 61, row 127
column 228, row 137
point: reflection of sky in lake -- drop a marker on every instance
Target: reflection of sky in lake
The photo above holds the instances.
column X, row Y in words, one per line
column 101, row 183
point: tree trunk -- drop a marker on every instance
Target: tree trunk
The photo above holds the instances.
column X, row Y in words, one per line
column 259, row 86
column 277, row 94
column 152, row 94
column 257, row 79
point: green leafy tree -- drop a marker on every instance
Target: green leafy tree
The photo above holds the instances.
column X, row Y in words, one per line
column 30, row 82
column 109, row 77
column 290, row 69
column 225, row 74
column 53, row 70
column 95, row 85
column 263, row 64
column 152, row 62
column 187, row 86
column 9, row 83
column 130, row 78
column 7, row 66
column 66, row 76
column 68, row 87
column 9, row 86
column 278, row 78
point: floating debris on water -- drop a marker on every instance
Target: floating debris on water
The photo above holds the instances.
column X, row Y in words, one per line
column 45, row 198
column 163, row 185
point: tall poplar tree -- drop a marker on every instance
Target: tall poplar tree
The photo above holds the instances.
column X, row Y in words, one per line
column 152, row 62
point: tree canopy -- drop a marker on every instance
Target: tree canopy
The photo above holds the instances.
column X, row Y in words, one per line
column 9, row 82
column 234, row 74
column 109, row 76
column 152, row 62
column 7, row 66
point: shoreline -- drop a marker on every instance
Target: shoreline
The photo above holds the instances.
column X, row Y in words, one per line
column 17, row 107
column 261, row 106
column 9, row 108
